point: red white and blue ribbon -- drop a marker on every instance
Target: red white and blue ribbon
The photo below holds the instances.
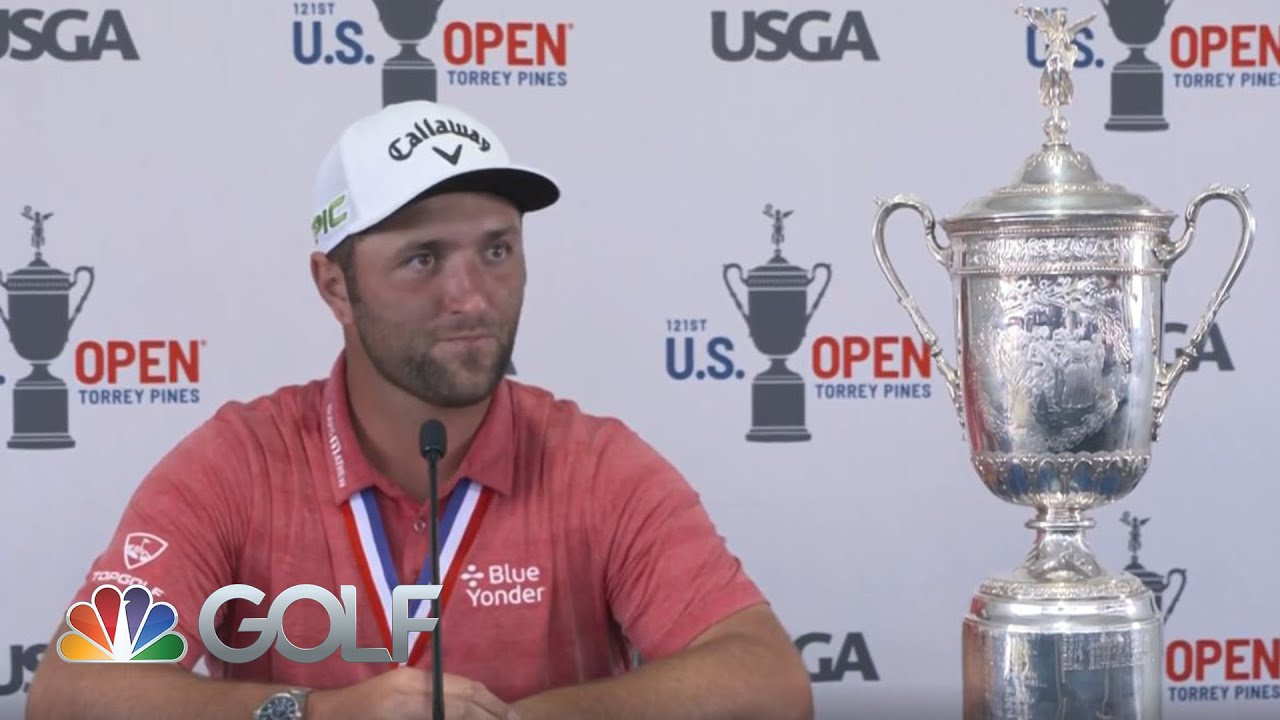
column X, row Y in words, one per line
column 460, row 519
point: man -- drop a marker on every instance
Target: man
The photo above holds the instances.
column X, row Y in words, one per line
column 566, row 541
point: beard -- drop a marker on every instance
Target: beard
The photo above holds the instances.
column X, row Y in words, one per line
column 403, row 357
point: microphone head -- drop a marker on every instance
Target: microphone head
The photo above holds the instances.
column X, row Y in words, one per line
column 431, row 439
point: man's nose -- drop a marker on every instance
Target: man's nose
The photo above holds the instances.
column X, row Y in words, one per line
column 462, row 283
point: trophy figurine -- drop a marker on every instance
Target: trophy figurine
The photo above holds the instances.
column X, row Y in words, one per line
column 1151, row 579
column 777, row 316
column 39, row 325
column 409, row 75
column 1137, row 82
column 1058, row 285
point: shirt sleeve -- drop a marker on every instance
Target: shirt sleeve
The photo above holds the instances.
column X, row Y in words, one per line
column 181, row 532
column 670, row 575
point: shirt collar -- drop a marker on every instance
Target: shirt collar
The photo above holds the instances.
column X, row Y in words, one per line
column 490, row 460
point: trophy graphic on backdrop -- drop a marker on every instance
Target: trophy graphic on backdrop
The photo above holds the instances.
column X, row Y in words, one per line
column 1157, row 584
column 39, row 325
column 777, row 316
column 409, row 75
column 1058, row 283
column 1137, row 82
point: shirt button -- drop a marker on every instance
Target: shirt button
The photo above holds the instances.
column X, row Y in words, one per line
column 419, row 525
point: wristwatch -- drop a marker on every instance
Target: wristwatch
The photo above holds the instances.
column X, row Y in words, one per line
column 288, row 705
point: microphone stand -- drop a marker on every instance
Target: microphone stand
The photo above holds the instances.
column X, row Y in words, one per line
column 437, row 675
column 432, row 440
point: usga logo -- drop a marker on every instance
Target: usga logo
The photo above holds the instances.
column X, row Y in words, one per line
column 808, row 36
column 503, row 584
column 69, row 35
column 23, row 661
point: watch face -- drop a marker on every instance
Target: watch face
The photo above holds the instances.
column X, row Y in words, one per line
column 279, row 707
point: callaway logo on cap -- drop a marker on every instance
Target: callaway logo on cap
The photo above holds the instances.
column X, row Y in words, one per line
column 384, row 160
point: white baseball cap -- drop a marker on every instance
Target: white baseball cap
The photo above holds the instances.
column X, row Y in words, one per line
column 384, row 160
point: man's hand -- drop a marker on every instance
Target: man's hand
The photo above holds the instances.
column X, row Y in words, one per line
column 405, row 694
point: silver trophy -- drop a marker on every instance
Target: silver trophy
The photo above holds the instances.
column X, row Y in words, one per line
column 1058, row 282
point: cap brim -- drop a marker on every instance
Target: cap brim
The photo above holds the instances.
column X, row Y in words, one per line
column 527, row 189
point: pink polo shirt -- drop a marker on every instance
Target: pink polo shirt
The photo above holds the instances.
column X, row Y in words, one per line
column 582, row 539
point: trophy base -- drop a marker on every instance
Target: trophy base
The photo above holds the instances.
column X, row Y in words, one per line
column 1070, row 650
column 1152, row 123
column 777, row 406
column 778, row 434
column 404, row 80
column 40, row 413
column 1137, row 97
column 28, row 441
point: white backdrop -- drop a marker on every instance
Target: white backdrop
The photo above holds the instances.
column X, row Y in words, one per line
column 183, row 178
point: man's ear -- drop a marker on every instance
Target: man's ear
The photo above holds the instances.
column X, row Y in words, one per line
column 331, row 283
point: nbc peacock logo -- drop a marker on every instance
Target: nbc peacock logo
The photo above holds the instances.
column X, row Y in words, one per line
column 122, row 627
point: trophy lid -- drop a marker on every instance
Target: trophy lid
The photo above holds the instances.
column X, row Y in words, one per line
column 777, row 272
column 1057, row 181
column 37, row 275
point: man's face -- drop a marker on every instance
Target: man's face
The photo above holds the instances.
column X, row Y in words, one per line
column 438, row 296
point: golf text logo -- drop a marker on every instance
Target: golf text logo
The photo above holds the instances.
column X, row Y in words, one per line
column 23, row 660
column 776, row 315
column 475, row 53
column 69, row 35
column 1205, row 670
column 1209, row 56
column 503, row 585
column 811, row 36
column 836, row 657
column 342, row 624
column 122, row 627
column 40, row 318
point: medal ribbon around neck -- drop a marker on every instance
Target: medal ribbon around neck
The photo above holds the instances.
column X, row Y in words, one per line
column 460, row 520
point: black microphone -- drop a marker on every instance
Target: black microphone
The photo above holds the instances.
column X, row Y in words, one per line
column 432, row 443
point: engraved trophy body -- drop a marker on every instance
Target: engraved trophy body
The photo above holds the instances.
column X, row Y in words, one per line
column 777, row 315
column 1058, row 283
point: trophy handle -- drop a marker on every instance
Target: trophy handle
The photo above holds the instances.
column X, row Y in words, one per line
column 1168, row 374
column 940, row 253
column 813, row 275
column 5, row 286
column 1182, row 583
column 83, row 296
column 732, row 294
